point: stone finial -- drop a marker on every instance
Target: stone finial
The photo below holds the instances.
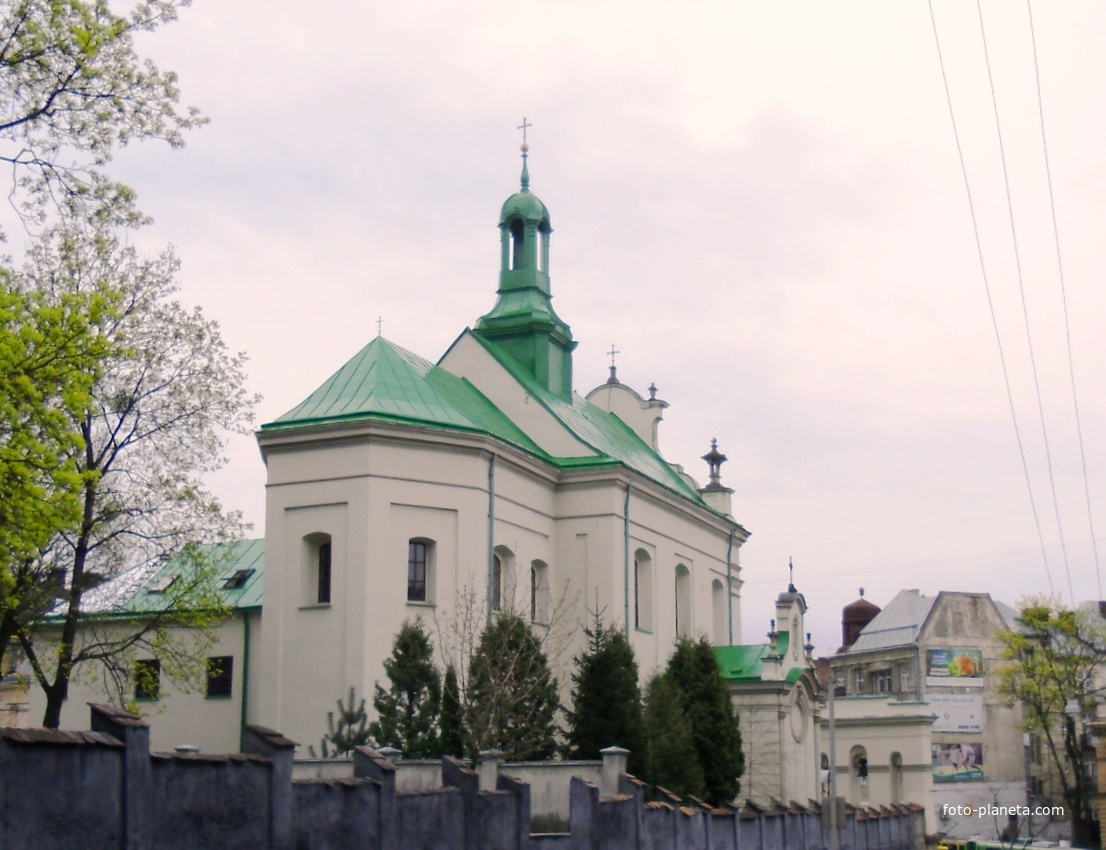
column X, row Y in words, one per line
column 715, row 459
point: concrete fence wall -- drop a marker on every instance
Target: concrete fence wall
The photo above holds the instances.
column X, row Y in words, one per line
column 548, row 780
column 105, row 789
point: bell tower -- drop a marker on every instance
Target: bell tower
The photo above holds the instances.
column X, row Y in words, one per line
column 523, row 322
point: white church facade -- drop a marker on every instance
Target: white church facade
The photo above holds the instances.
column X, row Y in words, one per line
column 405, row 489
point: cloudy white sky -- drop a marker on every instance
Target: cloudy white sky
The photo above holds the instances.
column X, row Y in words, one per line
column 761, row 206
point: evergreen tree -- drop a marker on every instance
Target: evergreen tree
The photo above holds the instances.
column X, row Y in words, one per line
column 512, row 696
column 606, row 698
column 694, row 670
column 407, row 713
column 671, row 760
column 351, row 730
column 452, row 718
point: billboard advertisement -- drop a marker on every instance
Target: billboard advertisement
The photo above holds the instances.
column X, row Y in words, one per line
column 960, row 762
column 956, row 712
column 960, row 667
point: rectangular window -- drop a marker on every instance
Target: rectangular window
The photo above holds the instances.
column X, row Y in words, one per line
column 880, row 681
column 858, row 680
column 147, row 679
column 905, row 683
column 324, row 574
column 237, row 580
column 416, row 571
column 220, row 674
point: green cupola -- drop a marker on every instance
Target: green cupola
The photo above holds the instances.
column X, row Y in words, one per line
column 523, row 322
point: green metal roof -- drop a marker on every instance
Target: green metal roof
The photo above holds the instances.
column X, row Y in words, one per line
column 741, row 663
column 385, row 382
column 141, row 590
column 227, row 558
column 602, row 431
column 746, row 663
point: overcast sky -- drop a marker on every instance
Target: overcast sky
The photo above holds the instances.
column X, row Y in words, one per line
column 759, row 204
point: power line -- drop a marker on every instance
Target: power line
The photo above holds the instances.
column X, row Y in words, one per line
column 1025, row 306
column 990, row 300
column 1063, row 298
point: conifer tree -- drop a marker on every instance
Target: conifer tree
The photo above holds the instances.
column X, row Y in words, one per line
column 407, row 713
column 349, row 732
column 606, row 698
column 512, row 697
column 452, row 719
column 694, row 671
column 671, row 760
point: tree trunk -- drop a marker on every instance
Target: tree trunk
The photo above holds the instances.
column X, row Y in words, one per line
column 55, row 699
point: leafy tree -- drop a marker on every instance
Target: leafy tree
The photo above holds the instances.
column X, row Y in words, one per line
column 408, row 711
column 72, row 90
column 606, row 698
column 50, row 357
column 1056, row 665
column 512, row 696
column 694, row 671
column 671, row 760
column 349, row 732
column 167, row 392
column 452, row 717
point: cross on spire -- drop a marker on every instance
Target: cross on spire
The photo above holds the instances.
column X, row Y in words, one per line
column 791, row 577
column 524, row 126
column 379, row 324
column 613, row 379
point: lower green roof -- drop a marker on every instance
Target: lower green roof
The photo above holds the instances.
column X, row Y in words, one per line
column 146, row 589
column 745, row 663
column 387, row 383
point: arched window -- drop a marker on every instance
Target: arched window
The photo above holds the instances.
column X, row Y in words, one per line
column 683, row 601
column 318, row 568
column 896, row 777
column 540, row 596
column 420, row 570
column 858, row 774
column 502, row 591
column 643, row 591
column 518, row 244
column 719, row 618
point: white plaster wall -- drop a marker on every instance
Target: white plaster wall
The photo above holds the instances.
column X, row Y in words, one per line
column 882, row 726
column 386, row 486
column 177, row 718
column 641, row 415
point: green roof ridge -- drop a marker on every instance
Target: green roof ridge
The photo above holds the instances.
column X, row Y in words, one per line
column 651, row 466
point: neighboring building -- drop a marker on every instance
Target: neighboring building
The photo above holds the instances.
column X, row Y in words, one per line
column 15, row 706
column 210, row 717
column 775, row 691
column 403, row 488
column 921, row 712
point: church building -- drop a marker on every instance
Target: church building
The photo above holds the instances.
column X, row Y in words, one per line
column 408, row 489
column 403, row 488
